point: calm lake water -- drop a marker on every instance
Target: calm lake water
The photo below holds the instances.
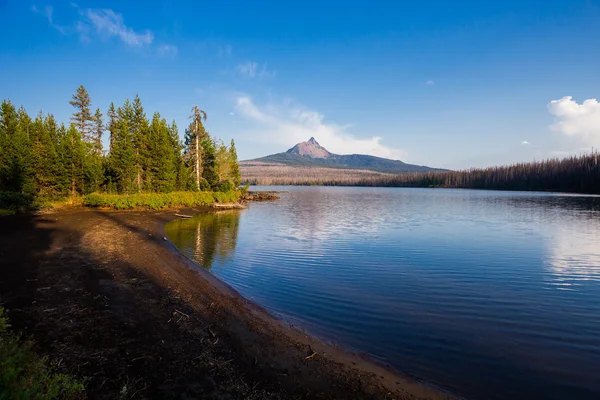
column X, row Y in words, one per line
column 489, row 295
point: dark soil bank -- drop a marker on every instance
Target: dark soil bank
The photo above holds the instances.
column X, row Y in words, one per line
column 108, row 298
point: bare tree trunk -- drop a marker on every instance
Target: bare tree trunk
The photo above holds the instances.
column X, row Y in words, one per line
column 197, row 155
column 72, row 167
column 139, row 175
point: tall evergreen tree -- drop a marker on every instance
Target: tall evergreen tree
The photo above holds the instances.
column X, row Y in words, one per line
column 122, row 154
column 44, row 156
column 162, row 172
column 82, row 117
column 195, row 136
column 139, row 130
column 209, row 162
column 112, row 123
column 182, row 173
column 74, row 152
column 15, row 161
column 98, row 131
column 223, row 165
column 235, row 174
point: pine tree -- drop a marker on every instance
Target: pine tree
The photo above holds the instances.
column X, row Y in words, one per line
column 83, row 117
column 74, row 152
column 15, row 164
column 44, row 156
column 162, row 168
column 223, row 167
column 112, row 124
column 209, row 162
column 195, row 136
column 139, row 129
column 182, row 180
column 94, row 170
column 122, row 155
column 97, row 133
column 234, row 168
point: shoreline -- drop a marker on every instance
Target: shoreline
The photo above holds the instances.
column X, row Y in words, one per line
column 277, row 360
column 389, row 378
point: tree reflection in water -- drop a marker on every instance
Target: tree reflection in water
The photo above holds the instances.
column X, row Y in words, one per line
column 207, row 238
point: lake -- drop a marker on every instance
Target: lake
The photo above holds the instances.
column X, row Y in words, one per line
column 488, row 295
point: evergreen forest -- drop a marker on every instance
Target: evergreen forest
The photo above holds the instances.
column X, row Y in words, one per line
column 42, row 158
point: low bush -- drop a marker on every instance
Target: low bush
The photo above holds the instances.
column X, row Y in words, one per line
column 156, row 201
column 15, row 201
column 25, row 375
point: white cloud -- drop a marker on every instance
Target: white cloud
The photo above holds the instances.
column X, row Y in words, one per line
column 251, row 69
column 288, row 124
column 430, row 83
column 108, row 23
column 167, row 50
column 525, row 142
column 47, row 12
column 581, row 121
column 104, row 23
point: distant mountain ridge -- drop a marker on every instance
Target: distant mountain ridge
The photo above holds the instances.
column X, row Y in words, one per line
column 311, row 153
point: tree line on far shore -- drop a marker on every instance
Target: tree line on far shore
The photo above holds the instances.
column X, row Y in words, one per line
column 575, row 174
column 44, row 158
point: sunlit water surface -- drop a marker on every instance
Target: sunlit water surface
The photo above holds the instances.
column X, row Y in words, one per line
column 484, row 294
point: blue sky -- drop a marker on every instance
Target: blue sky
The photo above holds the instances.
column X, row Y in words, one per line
column 447, row 84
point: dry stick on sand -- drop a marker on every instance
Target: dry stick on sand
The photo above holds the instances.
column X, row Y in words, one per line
column 182, row 313
column 311, row 356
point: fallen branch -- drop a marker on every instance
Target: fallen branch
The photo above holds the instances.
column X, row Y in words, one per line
column 311, row 356
column 182, row 313
column 183, row 216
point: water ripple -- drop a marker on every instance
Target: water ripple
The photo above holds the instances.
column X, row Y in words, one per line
column 491, row 295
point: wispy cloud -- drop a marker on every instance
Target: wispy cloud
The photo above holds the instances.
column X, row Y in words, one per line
column 47, row 12
column 288, row 123
column 106, row 24
column 581, row 121
column 251, row 69
column 430, row 83
column 167, row 50
column 525, row 143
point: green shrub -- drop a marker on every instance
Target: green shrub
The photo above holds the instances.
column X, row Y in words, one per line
column 15, row 200
column 156, row 201
column 25, row 375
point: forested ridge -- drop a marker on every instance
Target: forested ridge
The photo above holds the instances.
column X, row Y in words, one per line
column 45, row 159
column 575, row 174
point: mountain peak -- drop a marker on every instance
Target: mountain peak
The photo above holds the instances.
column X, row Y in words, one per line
column 311, row 149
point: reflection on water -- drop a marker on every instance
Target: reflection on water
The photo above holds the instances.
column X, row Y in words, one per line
column 574, row 250
column 207, row 238
column 487, row 294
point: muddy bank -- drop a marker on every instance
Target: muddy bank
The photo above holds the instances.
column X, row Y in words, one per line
column 108, row 298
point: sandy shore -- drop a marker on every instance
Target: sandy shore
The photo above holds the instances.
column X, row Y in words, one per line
column 108, row 298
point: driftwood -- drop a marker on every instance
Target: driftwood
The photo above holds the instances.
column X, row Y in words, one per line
column 228, row 205
column 183, row 216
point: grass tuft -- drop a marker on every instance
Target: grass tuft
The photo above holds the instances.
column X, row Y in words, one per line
column 156, row 201
column 25, row 375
